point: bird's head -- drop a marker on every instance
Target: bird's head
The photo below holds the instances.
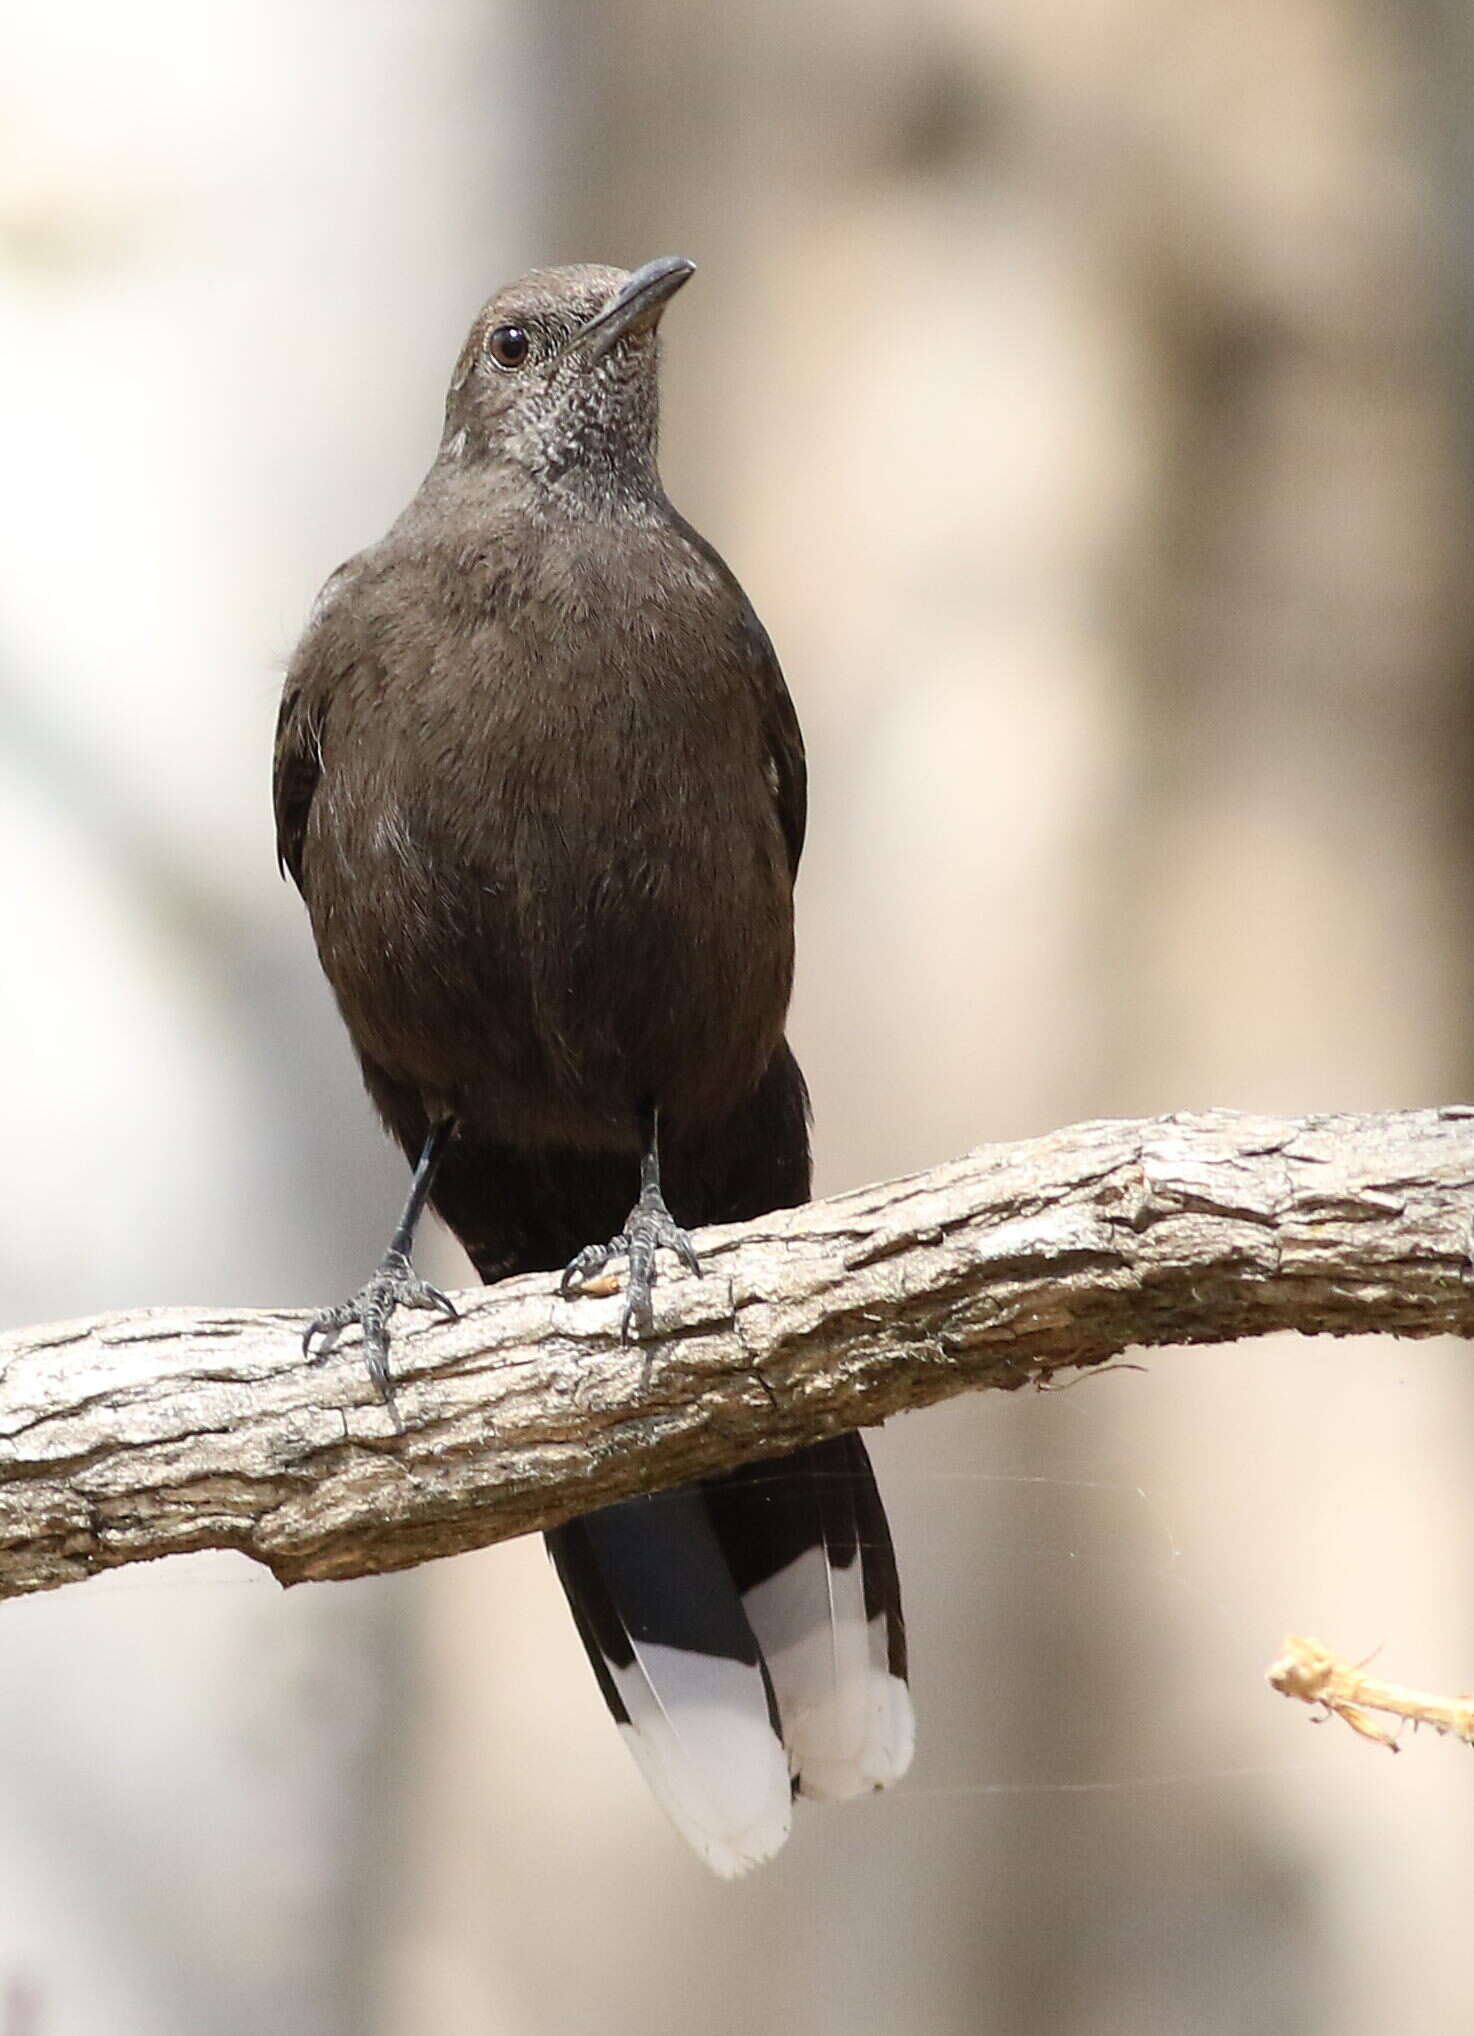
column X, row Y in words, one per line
column 558, row 378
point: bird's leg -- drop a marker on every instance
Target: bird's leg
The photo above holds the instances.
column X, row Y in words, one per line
column 395, row 1284
column 648, row 1226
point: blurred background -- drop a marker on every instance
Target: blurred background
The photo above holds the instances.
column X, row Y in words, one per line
column 1082, row 393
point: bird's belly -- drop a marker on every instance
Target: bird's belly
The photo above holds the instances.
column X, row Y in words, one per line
column 555, row 969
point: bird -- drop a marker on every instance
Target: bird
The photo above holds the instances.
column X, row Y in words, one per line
column 542, row 787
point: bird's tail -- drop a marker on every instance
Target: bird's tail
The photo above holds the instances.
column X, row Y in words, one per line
column 747, row 1635
column 680, row 1669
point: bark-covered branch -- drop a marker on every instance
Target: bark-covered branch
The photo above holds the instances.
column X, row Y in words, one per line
column 134, row 1436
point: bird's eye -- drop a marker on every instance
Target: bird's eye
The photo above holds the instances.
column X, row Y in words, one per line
column 509, row 346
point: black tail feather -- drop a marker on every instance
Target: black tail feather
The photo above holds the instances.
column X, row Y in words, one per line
column 681, row 1671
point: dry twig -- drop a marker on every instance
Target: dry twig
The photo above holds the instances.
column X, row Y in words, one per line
column 1344, row 1690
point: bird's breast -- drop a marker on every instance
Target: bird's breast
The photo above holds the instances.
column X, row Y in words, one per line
column 561, row 889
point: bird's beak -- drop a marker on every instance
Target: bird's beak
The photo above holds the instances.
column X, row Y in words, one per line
column 636, row 307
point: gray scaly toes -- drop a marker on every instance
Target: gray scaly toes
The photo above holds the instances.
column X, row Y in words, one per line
column 649, row 1226
column 394, row 1285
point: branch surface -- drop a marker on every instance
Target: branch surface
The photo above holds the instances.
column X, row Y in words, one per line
column 128, row 1437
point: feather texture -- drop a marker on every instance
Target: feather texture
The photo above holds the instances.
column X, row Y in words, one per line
column 748, row 1637
column 808, row 1545
column 681, row 1672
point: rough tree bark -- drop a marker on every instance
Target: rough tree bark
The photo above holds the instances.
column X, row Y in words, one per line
column 134, row 1436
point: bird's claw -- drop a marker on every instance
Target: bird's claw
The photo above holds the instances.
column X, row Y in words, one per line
column 650, row 1225
column 587, row 1264
column 395, row 1284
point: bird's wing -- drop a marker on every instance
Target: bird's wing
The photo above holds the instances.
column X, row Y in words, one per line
column 788, row 774
column 297, row 765
column 295, row 774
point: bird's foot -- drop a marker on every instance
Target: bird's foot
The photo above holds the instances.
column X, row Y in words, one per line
column 648, row 1226
column 396, row 1284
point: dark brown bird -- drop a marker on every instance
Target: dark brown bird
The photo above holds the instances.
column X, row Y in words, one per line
column 541, row 785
